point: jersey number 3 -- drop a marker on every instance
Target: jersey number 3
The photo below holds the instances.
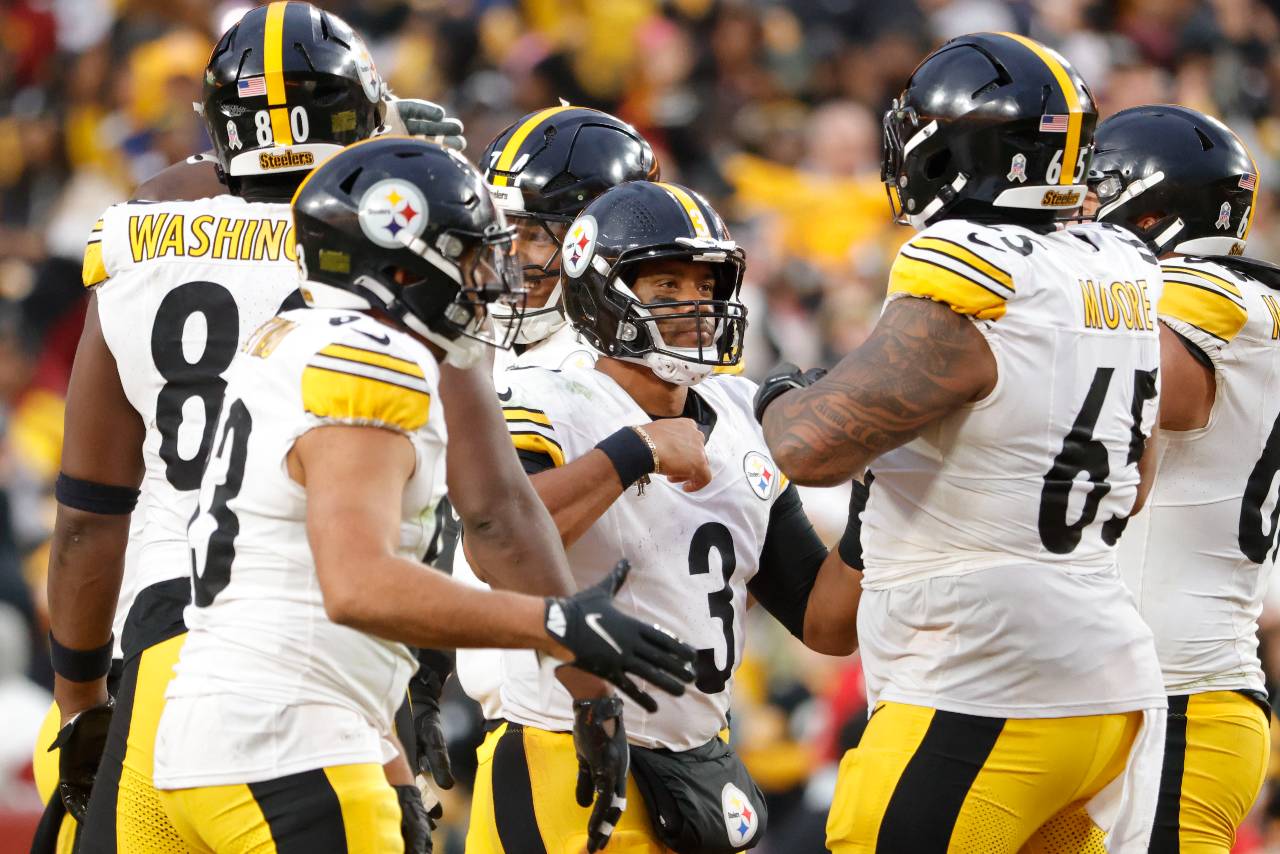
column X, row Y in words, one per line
column 709, row 537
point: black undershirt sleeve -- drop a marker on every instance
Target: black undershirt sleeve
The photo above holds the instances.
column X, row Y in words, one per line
column 789, row 563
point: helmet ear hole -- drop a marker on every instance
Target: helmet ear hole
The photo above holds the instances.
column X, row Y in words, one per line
column 936, row 166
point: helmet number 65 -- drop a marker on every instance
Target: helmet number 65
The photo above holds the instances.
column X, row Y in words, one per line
column 1054, row 172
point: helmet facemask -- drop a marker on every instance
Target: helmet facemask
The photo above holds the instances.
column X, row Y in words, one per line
column 457, row 289
column 533, row 324
column 647, row 332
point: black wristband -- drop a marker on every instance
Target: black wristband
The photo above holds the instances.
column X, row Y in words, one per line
column 631, row 457
column 80, row 665
column 851, row 541
column 95, row 497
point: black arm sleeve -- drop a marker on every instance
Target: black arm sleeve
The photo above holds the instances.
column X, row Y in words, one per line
column 789, row 563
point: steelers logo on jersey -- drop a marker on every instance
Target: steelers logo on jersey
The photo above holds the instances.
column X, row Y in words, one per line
column 580, row 245
column 391, row 211
column 761, row 474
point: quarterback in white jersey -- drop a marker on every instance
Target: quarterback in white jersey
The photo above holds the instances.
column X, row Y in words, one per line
column 317, row 501
column 651, row 454
column 1002, row 404
column 1198, row 558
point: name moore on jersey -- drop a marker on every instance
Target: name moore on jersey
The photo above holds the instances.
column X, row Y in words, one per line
column 1006, row 513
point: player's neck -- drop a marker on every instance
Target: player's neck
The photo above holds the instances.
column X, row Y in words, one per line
column 656, row 397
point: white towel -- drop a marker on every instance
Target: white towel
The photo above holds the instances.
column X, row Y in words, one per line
column 1126, row 807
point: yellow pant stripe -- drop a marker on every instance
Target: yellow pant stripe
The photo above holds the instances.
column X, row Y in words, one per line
column 370, row 810
column 1228, row 745
column 869, row 775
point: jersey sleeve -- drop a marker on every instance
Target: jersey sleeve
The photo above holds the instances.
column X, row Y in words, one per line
column 1203, row 305
column 532, row 430
column 951, row 264
column 347, row 384
column 94, row 271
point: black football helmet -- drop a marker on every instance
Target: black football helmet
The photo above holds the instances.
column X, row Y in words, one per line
column 990, row 126
column 1184, row 168
column 407, row 227
column 287, row 86
column 550, row 165
column 644, row 221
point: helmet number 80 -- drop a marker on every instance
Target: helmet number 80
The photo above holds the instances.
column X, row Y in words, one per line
column 1054, row 172
column 299, row 124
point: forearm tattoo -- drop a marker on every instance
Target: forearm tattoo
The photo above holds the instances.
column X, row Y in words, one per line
column 921, row 362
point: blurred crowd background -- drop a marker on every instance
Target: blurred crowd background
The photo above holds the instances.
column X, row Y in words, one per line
column 769, row 108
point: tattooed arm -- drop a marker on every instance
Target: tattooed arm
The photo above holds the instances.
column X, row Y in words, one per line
column 921, row 362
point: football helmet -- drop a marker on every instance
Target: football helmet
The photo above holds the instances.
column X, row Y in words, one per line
column 550, row 165
column 287, row 86
column 645, row 221
column 1186, row 169
column 990, row 127
column 407, row 227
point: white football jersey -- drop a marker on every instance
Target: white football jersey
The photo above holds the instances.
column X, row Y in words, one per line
column 692, row 554
column 561, row 349
column 266, row 684
column 480, row 671
column 179, row 286
column 1039, row 476
column 1198, row 558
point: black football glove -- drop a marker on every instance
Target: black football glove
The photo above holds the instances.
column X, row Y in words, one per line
column 782, row 379
column 425, row 687
column 603, row 760
column 415, row 824
column 416, row 117
column 80, row 744
column 610, row 644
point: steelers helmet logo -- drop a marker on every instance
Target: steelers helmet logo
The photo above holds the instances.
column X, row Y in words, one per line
column 579, row 245
column 370, row 82
column 391, row 211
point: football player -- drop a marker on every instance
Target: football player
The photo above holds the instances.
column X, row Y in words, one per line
column 650, row 453
column 543, row 170
column 177, row 286
column 1003, row 403
column 1199, row 557
column 315, row 505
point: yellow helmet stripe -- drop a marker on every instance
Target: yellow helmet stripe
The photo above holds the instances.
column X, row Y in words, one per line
column 273, row 70
column 1075, row 114
column 512, row 148
column 1253, row 200
column 691, row 209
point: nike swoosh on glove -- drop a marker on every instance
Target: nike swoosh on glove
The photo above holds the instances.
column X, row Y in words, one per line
column 80, row 744
column 415, row 117
column 782, row 379
column 604, row 757
column 611, row 644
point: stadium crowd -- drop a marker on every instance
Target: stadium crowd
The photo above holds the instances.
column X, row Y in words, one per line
column 769, row 108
